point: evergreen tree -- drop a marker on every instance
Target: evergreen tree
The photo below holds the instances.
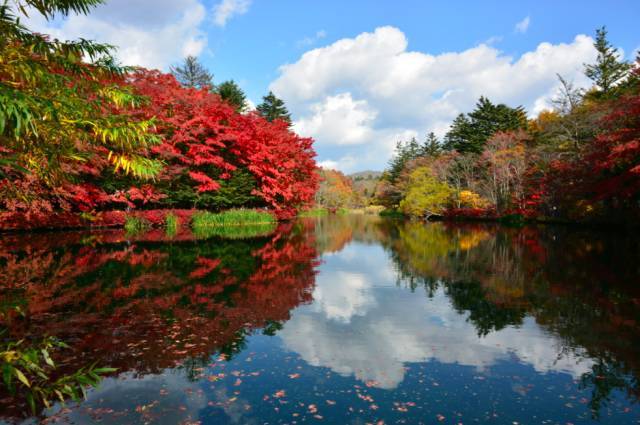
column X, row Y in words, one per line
column 470, row 133
column 608, row 70
column 431, row 146
column 459, row 133
column 192, row 74
column 230, row 92
column 273, row 108
column 404, row 153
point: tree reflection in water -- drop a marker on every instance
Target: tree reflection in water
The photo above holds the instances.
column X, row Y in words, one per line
column 148, row 303
column 147, row 306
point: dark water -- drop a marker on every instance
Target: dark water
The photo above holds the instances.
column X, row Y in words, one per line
column 345, row 319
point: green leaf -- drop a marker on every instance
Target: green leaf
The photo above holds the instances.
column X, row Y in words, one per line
column 21, row 377
column 31, row 401
column 47, row 358
column 101, row 370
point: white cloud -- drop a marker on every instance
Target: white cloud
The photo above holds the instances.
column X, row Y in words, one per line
column 361, row 328
column 153, row 37
column 328, row 164
column 522, row 26
column 339, row 120
column 358, row 96
column 227, row 9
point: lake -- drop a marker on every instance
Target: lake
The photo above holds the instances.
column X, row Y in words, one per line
column 341, row 319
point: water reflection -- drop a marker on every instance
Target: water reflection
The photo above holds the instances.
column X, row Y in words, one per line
column 320, row 307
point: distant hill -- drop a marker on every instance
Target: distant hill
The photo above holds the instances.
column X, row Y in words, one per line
column 365, row 175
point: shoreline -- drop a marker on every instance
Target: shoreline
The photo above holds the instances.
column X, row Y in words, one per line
column 16, row 223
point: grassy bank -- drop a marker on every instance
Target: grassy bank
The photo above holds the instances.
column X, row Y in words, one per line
column 314, row 212
column 235, row 217
column 233, row 224
column 322, row 211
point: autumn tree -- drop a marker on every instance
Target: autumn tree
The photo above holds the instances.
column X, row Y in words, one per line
column 575, row 122
column 217, row 157
column 504, row 159
column 614, row 159
column 231, row 93
column 191, row 73
column 273, row 108
column 609, row 70
column 61, row 116
column 426, row 195
column 335, row 190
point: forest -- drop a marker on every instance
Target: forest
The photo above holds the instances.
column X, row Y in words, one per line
column 579, row 161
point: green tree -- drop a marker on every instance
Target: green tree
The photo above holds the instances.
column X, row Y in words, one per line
column 231, row 93
column 273, row 108
column 431, row 146
column 609, row 70
column 56, row 109
column 459, row 133
column 470, row 133
column 192, row 74
column 405, row 152
column 425, row 196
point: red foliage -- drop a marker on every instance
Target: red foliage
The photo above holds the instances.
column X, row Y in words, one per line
column 202, row 133
column 71, row 220
column 202, row 137
column 474, row 213
column 616, row 153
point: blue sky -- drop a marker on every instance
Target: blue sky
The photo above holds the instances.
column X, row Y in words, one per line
column 361, row 75
column 251, row 47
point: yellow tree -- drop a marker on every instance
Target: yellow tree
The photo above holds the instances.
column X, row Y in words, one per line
column 425, row 195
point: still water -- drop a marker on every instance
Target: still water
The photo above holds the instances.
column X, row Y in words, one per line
column 343, row 319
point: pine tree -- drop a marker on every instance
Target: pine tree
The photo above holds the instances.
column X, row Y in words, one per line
column 608, row 70
column 273, row 108
column 459, row 133
column 431, row 146
column 470, row 133
column 230, row 92
column 192, row 74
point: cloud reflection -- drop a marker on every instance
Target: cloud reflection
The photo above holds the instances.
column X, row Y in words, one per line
column 363, row 326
